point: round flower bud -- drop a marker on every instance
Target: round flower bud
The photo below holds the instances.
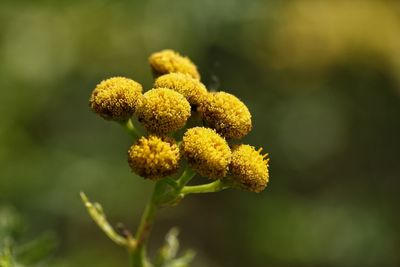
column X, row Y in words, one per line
column 163, row 110
column 191, row 88
column 207, row 152
column 115, row 98
column 154, row 157
column 169, row 61
column 249, row 168
column 227, row 115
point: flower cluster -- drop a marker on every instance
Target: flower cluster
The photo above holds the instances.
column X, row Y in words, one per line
column 177, row 94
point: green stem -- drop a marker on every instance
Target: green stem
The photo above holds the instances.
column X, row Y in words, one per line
column 130, row 128
column 139, row 255
column 146, row 223
column 215, row 186
column 186, row 176
column 96, row 212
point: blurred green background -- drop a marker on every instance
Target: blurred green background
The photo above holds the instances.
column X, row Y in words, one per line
column 321, row 78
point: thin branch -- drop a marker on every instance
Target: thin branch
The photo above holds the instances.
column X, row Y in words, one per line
column 96, row 212
column 215, row 186
column 130, row 129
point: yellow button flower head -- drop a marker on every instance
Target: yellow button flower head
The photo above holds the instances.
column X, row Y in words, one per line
column 115, row 98
column 249, row 168
column 191, row 88
column 207, row 152
column 227, row 115
column 163, row 110
column 154, row 157
column 169, row 61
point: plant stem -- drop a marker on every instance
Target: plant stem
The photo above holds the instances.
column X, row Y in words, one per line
column 146, row 223
column 215, row 186
column 139, row 255
column 186, row 176
column 96, row 212
column 130, row 128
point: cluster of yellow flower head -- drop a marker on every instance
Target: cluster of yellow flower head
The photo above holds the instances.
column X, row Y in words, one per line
column 177, row 94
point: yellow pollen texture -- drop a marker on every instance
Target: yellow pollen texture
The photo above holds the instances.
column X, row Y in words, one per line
column 115, row 98
column 249, row 168
column 154, row 157
column 163, row 110
column 207, row 152
column 194, row 91
column 169, row 61
column 227, row 115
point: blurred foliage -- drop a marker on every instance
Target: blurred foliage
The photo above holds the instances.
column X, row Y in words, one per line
column 13, row 253
column 321, row 79
column 168, row 254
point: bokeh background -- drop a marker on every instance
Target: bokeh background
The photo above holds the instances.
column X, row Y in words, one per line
column 321, row 78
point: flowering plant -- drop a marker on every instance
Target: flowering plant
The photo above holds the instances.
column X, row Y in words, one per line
column 217, row 118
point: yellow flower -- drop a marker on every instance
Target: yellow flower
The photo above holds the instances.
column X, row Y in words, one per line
column 206, row 151
column 191, row 88
column 227, row 115
column 115, row 98
column 163, row 110
column 154, row 157
column 169, row 61
column 249, row 168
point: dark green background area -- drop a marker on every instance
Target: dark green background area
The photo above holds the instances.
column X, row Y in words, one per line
column 321, row 78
